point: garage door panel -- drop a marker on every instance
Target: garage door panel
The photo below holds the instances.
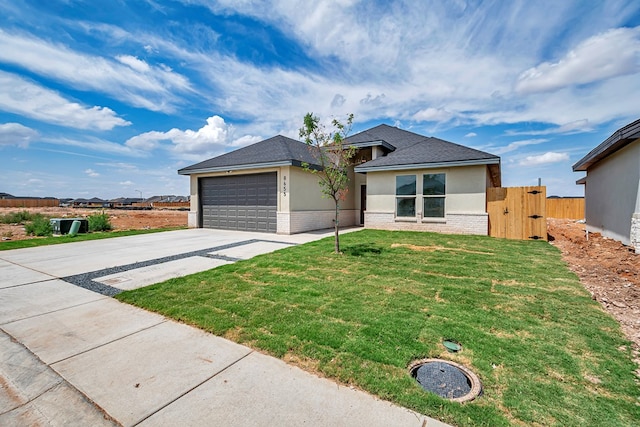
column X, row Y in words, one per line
column 244, row 202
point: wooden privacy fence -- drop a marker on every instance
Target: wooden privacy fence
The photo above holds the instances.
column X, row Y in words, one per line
column 565, row 207
column 29, row 203
column 160, row 205
column 517, row 212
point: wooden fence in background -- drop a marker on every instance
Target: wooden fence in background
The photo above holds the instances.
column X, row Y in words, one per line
column 29, row 203
column 565, row 207
column 161, row 205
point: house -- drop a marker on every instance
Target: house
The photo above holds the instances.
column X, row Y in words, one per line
column 90, row 203
column 400, row 181
column 612, row 186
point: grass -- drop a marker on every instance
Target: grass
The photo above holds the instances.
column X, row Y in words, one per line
column 546, row 353
column 55, row 240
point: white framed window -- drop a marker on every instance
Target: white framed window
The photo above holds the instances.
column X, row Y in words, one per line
column 406, row 196
column 433, row 195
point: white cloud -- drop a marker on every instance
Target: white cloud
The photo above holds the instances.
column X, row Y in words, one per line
column 245, row 140
column 128, row 79
column 214, row 137
column 543, row 159
column 603, row 56
column 126, row 183
column 471, row 135
column 433, row 115
column 517, row 144
column 134, row 63
column 28, row 99
column 577, row 126
column 92, row 173
column 16, row 134
column 95, row 144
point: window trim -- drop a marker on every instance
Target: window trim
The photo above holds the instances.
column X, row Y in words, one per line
column 413, row 197
column 435, row 196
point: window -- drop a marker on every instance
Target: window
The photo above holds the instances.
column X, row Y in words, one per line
column 433, row 194
column 406, row 195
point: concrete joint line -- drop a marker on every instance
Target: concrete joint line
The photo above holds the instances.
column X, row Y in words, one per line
column 107, row 343
column 53, row 311
column 28, row 268
column 34, row 398
column 61, row 381
column 30, row 283
column 191, row 389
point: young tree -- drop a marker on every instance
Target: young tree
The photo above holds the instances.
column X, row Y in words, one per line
column 334, row 159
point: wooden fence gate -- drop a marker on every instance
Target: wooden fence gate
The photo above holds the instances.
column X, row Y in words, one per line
column 517, row 212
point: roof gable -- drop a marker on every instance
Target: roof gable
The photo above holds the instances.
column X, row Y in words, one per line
column 278, row 150
column 414, row 149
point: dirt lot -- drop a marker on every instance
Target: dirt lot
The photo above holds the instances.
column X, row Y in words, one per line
column 120, row 219
column 608, row 269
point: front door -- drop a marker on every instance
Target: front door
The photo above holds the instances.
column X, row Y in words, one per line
column 363, row 202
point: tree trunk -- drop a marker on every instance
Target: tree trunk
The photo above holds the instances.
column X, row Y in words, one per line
column 337, row 235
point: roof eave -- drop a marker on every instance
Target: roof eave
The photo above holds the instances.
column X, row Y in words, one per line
column 433, row 165
column 251, row 166
column 620, row 139
column 377, row 143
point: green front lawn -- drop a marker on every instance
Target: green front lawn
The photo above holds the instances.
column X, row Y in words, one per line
column 546, row 353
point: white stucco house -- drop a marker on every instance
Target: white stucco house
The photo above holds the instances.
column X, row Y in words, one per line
column 400, row 181
column 612, row 186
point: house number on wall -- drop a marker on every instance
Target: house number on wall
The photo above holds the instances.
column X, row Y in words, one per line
column 284, row 185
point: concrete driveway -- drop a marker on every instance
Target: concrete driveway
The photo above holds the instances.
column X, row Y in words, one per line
column 72, row 355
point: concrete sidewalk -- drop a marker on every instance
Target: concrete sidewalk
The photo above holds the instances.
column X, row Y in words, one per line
column 71, row 355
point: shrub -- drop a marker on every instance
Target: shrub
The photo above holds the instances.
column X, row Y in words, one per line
column 99, row 222
column 16, row 217
column 39, row 226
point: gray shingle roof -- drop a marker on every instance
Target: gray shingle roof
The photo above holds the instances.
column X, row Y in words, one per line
column 403, row 149
column 276, row 150
column 414, row 149
column 618, row 140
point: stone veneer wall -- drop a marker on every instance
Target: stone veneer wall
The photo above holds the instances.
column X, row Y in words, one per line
column 635, row 232
column 301, row 221
column 454, row 223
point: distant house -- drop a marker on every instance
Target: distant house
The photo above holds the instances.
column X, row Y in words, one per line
column 122, row 202
column 401, row 181
column 90, row 203
column 612, row 186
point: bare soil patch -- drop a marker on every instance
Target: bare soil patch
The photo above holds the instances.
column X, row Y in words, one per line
column 121, row 219
column 606, row 267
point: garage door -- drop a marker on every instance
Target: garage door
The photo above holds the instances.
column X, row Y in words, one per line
column 242, row 202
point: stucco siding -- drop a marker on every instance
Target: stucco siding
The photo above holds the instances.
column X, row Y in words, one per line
column 611, row 193
column 465, row 189
column 465, row 201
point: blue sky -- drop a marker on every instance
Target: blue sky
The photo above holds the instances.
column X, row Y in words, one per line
column 110, row 98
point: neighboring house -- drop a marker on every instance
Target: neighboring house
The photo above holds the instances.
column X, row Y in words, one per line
column 90, row 203
column 612, row 186
column 401, row 180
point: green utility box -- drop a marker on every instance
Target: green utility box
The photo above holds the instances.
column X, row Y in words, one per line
column 63, row 225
